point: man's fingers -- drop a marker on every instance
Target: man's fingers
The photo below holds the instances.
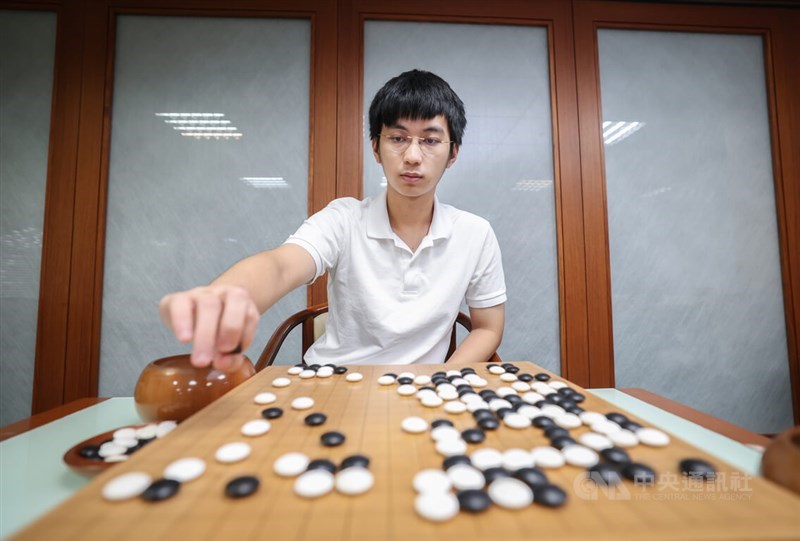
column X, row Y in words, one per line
column 177, row 313
column 232, row 320
column 208, row 308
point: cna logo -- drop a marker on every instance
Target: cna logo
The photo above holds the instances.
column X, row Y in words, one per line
column 591, row 486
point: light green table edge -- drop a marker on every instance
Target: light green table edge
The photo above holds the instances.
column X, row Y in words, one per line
column 34, row 479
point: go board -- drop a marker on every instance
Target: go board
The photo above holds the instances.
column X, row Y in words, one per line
column 370, row 415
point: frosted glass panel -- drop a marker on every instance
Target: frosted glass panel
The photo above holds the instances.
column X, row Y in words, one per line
column 696, row 283
column 27, row 49
column 209, row 164
column 504, row 170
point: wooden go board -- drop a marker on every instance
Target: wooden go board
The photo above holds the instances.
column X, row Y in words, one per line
column 737, row 506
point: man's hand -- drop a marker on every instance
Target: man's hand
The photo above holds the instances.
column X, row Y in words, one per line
column 484, row 339
column 220, row 319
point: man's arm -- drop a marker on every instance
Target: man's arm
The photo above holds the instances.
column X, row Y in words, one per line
column 485, row 337
column 221, row 318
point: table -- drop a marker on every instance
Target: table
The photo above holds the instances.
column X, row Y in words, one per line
column 32, row 460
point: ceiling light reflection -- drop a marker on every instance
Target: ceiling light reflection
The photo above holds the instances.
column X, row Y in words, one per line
column 532, row 185
column 265, row 182
column 614, row 132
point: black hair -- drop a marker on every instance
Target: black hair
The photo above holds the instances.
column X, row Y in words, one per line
column 417, row 95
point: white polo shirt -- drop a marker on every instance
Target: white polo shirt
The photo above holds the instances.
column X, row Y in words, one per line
column 387, row 304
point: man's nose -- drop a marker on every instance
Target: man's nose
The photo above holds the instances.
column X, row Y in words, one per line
column 413, row 153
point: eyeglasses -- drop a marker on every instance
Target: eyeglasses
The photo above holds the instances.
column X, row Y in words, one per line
column 430, row 146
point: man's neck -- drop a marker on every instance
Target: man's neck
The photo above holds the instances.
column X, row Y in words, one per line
column 410, row 219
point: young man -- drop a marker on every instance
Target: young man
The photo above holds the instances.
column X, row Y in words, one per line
column 399, row 264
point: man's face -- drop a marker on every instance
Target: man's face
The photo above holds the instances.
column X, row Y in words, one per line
column 414, row 169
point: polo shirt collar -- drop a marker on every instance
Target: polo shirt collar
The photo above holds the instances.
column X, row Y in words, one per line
column 378, row 220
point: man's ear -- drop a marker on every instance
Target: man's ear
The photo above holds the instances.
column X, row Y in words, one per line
column 452, row 158
column 375, row 150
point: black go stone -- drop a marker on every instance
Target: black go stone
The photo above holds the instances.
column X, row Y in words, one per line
column 451, row 461
column 568, row 404
column 555, row 432
column 405, row 381
column 502, row 412
column 487, row 394
column 272, row 413
column 604, row 474
column 527, row 378
column 490, row 364
column 441, row 422
column 439, row 374
column 540, row 403
column 549, row 495
column 92, row 452
column 514, row 399
column 331, row 365
column 615, row 455
column 577, row 410
column 464, row 387
column 473, row 501
column 473, row 435
column 241, row 487
column 512, row 369
column 531, row 476
column 578, row 398
column 507, row 366
column 314, row 367
column 640, row 474
column 390, row 374
column 632, row 426
column 161, row 489
column 427, row 388
column 617, row 418
column 492, row 474
column 467, row 370
column 130, row 450
column 541, row 421
column 332, row 439
column 565, row 391
column 360, row 461
column 541, row 376
column 321, row 464
column 554, row 398
column 695, row 468
column 315, row 419
column 562, row 441
column 488, row 423
column 340, row 370
column 300, row 365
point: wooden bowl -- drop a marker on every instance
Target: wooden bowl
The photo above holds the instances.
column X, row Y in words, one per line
column 781, row 460
column 86, row 466
column 173, row 389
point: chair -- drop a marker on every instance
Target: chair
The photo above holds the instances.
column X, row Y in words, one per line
column 313, row 321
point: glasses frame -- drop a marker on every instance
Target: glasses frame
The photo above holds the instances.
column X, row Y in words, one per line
column 428, row 151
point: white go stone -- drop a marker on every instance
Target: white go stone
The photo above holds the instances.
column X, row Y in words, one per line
column 547, row 457
column 354, row 481
column 290, row 464
column 303, row 403
column 281, row 382
column 307, row 374
column 591, row 417
column 624, row 438
column 521, row 386
column 451, row 447
column 541, row 387
column 557, row 384
column 256, row 427
column 453, row 374
column 436, row 506
column 386, row 380
column 411, row 375
column 127, row 443
column 508, row 377
column 473, row 406
column 532, row 397
column 529, row 411
column 605, row 427
column 406, row 390
column 447, row 387
column 447, row 394
column 165, row 427
column 514, row 459
column 232, row 452
column 455, row 407
column 459, row 381
column 478, row 382
column 568, row 421
column 314, row 483
column 325, row 372
column 147, row 432
column 431, row 481
column 516, row 420
column 426, row 392
column 552, row 410
column 471, row 397
column 503, row 392
column 185, row 469
column 295, row 370
column 126, row 486
column 652, row 437
column 116, row 458
column 595, row 441
column 445, row 432
column 265, row 398
column 496, row 369
column 354, row 376
column 422, row 379
column 497, row 403
column 578, row 455
column 486, row 458
column 431, row 401
column 125, row 434
column 111, row 449
column 510, row 493
column 414, row 425
column 466, row 477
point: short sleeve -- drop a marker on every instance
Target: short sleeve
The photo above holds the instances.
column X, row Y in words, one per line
column 487, row 286
column 325, row 234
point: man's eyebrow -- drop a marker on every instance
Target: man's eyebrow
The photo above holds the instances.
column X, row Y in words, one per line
column 398, row 126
